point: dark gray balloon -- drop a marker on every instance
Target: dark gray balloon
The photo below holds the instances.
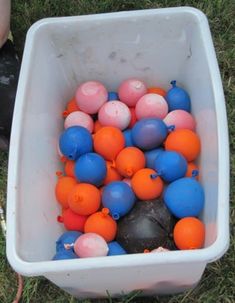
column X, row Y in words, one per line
column 147, row 226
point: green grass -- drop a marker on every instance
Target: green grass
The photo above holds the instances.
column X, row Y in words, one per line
column 218, row 282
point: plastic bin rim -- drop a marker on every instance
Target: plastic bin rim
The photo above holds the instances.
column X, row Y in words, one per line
column 205, row 255
column 120, row 14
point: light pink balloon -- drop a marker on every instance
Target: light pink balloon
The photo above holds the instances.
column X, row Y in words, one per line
column 90, row 96
column 159, row 249
column 127, row 181
column 115, row 113
column 180, row 119
column 151, row 106
column 131, row 90
column 91, row 245
column 79, row 118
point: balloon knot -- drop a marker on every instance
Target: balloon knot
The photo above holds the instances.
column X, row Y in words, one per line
column 59, row 173
column 171, row 128
column 105, row 211
column 63, row 159
column 60, row 219
column 68, row 246
column 129, row 172
column 116, row 216
column 173, row 83
column 79, row 198
column 154, row 176
column 113, row 164
column 65, row 113
column 195, row 173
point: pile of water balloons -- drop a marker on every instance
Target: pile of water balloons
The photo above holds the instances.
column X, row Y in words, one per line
column 130, row 182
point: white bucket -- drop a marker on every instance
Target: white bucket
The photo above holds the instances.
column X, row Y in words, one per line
column 154, row 45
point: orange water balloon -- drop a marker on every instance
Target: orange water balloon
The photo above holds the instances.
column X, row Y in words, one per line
column 144, row 186
column 108, row 142
column 63, row 188
column 192, row 168
column 97, row 126
column 102, row 224
column 189, row 233
column 84, row 199
column 112, row 173
column 184, row 141
column 69, row 168
column 157, row 90
column 129, row 161
column 71, row 107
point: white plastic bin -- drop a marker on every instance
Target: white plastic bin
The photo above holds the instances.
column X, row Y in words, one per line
column 60, row 53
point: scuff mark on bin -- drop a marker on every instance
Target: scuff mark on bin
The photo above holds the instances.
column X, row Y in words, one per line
column 139, row 54
column 190, row 53
column 112, row 55
column 45, row 216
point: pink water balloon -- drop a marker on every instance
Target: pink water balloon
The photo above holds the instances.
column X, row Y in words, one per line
column 127, row 181
column 151, row 106
column 115, row 113
column 91, row 245
column 180, row 119
column 159, row 249
column 131, row 90
column 90, row 96
column 79, row 118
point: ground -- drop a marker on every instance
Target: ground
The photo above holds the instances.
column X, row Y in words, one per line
column 218, row 281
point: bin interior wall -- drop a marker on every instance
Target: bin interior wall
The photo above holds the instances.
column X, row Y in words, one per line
column 154, row 49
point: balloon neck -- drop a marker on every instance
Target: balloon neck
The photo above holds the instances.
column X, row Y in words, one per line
column 113, row 164
column 70, row 156
column 78, row 198
column 173, row 83
column 60, row 219
column 195, row 173
column 63, row 159
column 68, row 246
column 105, row 211
column 116, row 216
column 65, row 113
column 129, row 172
column 154, row 176
column 171, row 128
column 59, row 174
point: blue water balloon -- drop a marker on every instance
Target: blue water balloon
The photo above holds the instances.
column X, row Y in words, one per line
column 75, row 141
column 115, row 249
column 91, row 168
column 184, row 197
column 68, row 237
column 119, row 198
column 151, row 155
column 64, row 255
column 170, row 165
column 112, row 96
column 128, row 138
column 178, row 98
column 149, row 133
